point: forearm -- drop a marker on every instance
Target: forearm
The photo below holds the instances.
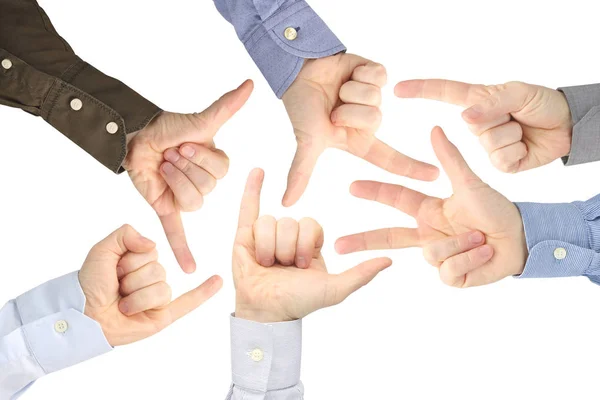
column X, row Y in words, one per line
column 43, row 331
column 563, row 239
column 279, row 36
column 41, row 74
column 266, row 360
column 584, row 103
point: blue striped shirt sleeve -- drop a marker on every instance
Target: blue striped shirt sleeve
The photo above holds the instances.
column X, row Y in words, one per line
column 563, row 239
column 261, row 26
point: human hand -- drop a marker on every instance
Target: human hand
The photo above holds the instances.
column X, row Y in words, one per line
column 521, row 126
column 126, row 292
column 278, row 270
column 334, row 103
column 174, row 163
column 445, row 227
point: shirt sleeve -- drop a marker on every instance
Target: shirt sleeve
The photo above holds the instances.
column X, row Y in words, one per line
column 41, row 74
column 43, row 331
column 279, row 35
column 266, row 360
column 584, row 103
column 563, row 239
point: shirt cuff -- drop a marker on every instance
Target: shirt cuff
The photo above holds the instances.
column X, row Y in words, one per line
column 280, row 56
column 57, row 295
column 557, row 240
column 64, row 339
column 265, row 357
column 584, row 103
column 54, row 327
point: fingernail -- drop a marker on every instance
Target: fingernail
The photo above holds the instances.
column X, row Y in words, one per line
column 187, row 151
column 301, row 263
column 168, row 168
column 120, row 272
column 476, row 238
column 485, row 251
column 172, row 156
column 473, row 112
column 334, row 118
column 123, row 307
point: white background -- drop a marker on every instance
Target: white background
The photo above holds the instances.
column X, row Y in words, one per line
column 406, row 336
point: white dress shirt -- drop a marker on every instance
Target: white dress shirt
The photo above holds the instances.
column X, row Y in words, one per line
column 45, row 330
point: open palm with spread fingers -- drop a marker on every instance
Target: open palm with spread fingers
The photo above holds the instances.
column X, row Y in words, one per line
column 126, row 292
column 174, row 163
column 474, row 208
column 278, row 270
column 521, row 126
column 334, row 103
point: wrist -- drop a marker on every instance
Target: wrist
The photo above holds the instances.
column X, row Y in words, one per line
column 256, row 314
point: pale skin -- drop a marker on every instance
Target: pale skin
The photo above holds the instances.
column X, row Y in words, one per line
column 475, row 236
column 174, row 163
column 272, row 284
column 126, row 291
column 334, row 103
column 520, row 126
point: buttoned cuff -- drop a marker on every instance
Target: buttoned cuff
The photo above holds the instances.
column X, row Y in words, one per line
column 584, row 103
column 284, row 40
column 265, row 357
column 557, row 240
column 93, row 110
column 54, row 296
column 64, row 339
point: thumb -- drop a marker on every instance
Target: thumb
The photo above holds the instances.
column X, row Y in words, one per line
column 230, row 103
column 124, row 240
column 300, row 172
column 355, row 278
column 511, row 98
column 452, row 161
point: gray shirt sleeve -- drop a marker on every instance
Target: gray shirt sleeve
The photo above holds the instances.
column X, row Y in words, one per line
column 584, row 102
column 265, row 360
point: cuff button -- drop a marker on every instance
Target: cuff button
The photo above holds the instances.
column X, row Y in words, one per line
column 560, row 253
column 61, row 326
column 290, row 33
column 257, row 355
column 7, row 64
column 76, row 104
column 112, row 128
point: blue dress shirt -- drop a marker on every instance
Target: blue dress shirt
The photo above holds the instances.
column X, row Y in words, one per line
column 563, row 239
column 261, row 25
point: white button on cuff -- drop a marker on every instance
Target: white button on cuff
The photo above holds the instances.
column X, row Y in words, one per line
column 6, row 63
column 76, row 104
column 112, row 128
column 61, row 326
column 560, row 253
column 290, row 33
column 257, row 355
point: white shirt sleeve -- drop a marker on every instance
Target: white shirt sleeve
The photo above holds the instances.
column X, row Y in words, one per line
column 43, row 331
column 266, row 360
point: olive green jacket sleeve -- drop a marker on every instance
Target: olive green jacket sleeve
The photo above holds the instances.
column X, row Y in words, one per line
column 41, row 74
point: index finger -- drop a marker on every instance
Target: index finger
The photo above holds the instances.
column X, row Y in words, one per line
column 386, row 157
column 453, row 92
column 173, row 226
column 404, row 199
column 250, row 207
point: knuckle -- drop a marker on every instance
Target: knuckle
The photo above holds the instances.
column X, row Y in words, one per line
column 429, row 255
column 374, row 117
column 165, row 291
column 158, row 272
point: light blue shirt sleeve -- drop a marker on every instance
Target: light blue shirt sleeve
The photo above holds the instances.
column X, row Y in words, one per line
column 43, row 331
column 261, row 26
column 563, row 239
column 266, row 360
